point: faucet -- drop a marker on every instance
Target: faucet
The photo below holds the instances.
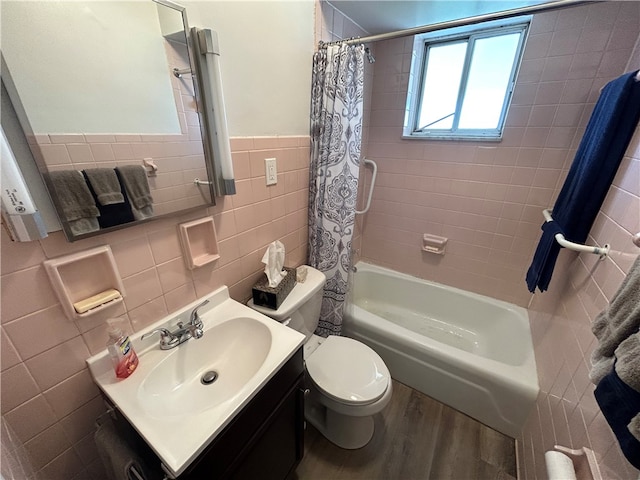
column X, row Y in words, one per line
column 167, row 339
column 194, row 328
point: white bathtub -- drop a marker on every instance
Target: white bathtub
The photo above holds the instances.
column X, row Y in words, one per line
column 468, row 351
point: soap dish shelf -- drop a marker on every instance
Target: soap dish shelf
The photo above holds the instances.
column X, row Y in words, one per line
column 434, row 243
column 83, row 275
column 199, row 242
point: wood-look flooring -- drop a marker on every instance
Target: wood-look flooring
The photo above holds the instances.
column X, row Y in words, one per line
column 416, row 437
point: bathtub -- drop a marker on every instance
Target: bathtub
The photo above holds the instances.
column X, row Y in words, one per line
column 467, row 351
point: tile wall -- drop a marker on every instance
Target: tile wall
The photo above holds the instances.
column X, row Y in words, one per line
column 48, row 398
column 486, row 198
column 566, row 412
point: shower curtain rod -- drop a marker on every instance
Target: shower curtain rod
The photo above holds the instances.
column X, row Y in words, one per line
column 514, row 12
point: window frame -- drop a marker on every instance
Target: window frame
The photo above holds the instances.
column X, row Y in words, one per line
column 470, row 34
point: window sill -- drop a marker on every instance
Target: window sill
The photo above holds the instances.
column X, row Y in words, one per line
column 453, row 138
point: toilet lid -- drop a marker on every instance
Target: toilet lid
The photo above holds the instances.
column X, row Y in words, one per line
column 348, row 371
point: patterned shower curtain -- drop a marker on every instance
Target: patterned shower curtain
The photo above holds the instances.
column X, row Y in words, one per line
column 336, row 135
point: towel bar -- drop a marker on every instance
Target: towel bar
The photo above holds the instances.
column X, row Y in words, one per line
column 602, row 251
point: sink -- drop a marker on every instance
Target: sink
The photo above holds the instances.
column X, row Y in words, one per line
column 235, row 350
column 164, row 398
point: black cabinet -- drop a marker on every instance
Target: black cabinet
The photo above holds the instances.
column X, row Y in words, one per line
column 265, row 440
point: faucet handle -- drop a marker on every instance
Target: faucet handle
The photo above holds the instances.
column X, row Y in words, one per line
column 197, row 333
column 166, row 337
column 195, row 318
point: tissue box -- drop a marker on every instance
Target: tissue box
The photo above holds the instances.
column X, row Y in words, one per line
column 266, row 296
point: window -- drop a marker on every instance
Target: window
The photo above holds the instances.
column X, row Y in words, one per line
column 464, row 83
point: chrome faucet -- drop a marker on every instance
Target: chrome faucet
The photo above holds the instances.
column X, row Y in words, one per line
column 167, row 339
column 195, row 326
column 194, row 329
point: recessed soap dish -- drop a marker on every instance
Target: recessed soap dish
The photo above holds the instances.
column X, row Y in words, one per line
column 434, row 243
column 199, row 242
column 86, row 282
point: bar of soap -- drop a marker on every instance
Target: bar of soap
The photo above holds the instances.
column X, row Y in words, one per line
column 92, row 302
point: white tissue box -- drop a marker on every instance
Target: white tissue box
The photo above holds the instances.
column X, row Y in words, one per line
column 272, row 297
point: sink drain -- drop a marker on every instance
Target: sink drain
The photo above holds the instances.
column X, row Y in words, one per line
column 209, row 377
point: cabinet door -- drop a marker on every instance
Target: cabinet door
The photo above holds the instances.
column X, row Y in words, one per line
column 280, row 448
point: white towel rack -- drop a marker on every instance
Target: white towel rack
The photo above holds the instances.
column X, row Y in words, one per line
column 602, row 251
column 373, row 184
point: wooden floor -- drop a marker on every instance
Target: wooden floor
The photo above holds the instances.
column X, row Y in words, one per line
column 416, row 437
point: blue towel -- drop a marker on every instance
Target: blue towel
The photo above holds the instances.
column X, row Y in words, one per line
column 611, row 126
column 619, row 404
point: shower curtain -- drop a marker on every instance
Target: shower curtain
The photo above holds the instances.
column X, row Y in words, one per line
column 336, row 135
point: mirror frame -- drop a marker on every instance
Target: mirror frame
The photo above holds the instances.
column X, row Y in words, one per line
column 209, row 159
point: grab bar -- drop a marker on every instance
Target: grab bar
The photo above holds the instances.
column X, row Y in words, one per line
column 373, row 184
column 602, row 251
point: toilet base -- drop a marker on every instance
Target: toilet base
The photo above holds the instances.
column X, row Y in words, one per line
column 345, row 431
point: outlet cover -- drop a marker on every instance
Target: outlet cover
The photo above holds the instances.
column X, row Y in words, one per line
column 271, row 171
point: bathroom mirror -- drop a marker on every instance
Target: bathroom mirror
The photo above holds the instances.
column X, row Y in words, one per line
column 96, row 91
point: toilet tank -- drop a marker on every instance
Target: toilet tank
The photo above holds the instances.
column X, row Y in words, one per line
column 302, row 306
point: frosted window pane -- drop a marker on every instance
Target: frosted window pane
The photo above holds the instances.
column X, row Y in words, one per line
column 441, row 84
column 488, row 81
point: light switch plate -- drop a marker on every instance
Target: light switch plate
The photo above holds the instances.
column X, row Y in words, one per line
column 271, row 171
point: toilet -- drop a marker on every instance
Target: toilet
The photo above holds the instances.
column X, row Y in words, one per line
column 348, row 382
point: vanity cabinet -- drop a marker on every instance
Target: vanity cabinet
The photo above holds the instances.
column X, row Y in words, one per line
column 265, row 440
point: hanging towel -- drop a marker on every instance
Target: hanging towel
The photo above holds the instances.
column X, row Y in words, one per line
column 136, row 184
column 616, row 364
column 115, row 213
column 105, row 185
column 620, row 404
column 121, row 460
column 596, row 162
column 616, row 323
column 76, row 206
column 627, row 368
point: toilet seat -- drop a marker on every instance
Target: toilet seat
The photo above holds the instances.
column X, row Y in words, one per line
column 348, row 371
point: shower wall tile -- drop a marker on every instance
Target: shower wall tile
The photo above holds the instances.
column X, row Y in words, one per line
column 332, row 24
column 44, row 353
column 582, row 286
column 568, row 57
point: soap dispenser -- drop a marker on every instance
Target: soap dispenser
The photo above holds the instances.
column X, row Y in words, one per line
column 120, row 349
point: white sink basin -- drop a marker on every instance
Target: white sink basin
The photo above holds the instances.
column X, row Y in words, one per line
column 165, row 400
column 235, row 350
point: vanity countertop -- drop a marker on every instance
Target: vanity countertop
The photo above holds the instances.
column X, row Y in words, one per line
column 165, row 401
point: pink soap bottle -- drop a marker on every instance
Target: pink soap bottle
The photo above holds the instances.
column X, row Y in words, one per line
column 120, row 349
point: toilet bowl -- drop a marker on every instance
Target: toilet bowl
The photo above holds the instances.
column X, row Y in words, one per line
column 348, row 382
